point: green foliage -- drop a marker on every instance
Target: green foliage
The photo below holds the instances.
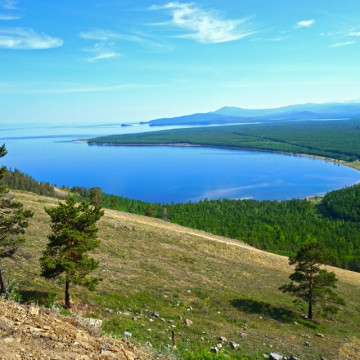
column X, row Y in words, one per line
column 13, row 222
column 150, row 211
column 96, row 196
column 74, row 234
column 333, row 139
column 309, row 282
column 17, row 180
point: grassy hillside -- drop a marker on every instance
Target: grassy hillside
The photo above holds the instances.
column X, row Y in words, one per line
column 331, row 139
column 224, row 286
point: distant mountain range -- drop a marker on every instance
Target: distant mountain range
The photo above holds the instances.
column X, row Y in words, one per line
column 235, row 115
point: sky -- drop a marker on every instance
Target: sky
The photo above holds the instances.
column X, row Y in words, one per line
column 110, row 61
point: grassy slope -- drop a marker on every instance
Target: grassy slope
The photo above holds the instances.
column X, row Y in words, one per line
column 148, row 264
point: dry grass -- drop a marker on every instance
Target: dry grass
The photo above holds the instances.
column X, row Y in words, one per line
column 149, row 264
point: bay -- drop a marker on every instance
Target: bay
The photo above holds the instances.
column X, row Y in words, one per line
column 165, row 174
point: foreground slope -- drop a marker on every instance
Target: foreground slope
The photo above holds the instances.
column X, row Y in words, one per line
column 27, row 332
column 223, row 286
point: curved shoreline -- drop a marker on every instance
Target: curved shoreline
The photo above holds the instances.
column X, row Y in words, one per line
column 355, row 166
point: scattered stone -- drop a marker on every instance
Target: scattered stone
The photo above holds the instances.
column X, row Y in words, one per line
column 219, row 346
column 81, row 336
column 275, row 356
column 307, row 344
column 151, row 320
column 148, row 344
column 222, row 338
column 94, row 322
column 46, row 327
column 320, row 335
column 214, row 350
column 180, row 317
column 188, row 322
column 296, row 323
column 189, row 291
column 189, row 308
column 233, row 345
column 33, row 310
column 8, row 340
column 322, row 358
column 265, row 356
column 128, row 334
column 108, row 354
column 305, row 336
column 292, row 357
column 155, row 314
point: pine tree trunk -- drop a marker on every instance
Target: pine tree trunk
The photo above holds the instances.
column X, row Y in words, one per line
column 67, row 295
column 310, row 313
column 2, row 281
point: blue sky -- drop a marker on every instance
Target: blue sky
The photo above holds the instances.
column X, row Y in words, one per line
column 93, row 61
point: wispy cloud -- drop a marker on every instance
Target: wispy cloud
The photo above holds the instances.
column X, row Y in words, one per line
column 107, row 35
column 26, row 39
column 342, row 43
column 205, row 26
column 305, row 24
column 103, row 48
column 103, row 55
column 43, row 89
column 354, row 33
column 9, row 4
column 8, row 17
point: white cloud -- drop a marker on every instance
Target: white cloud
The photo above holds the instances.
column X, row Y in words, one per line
column 9, row 4
column 104, row 55
column 101, row 51
column 26, row 39
column 354, row 33
column 305, row 24
column 8, row 17
column 205, row 26
column 106, row 35
column 343, row 43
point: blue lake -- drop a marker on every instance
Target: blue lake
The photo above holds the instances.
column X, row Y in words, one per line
column 165, row 174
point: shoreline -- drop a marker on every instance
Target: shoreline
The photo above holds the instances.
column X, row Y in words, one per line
column 354, row 165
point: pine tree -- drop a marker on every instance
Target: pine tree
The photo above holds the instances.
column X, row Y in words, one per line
column 74, row 234
column 309, row 282
column 13, row 222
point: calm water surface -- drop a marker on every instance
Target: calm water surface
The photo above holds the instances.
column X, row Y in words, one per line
column 165, row 174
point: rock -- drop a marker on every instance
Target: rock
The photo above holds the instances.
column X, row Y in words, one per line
column 92, row 322
column 128, row 334
column 275, row 356
column 81, row 336
column 148, row 344
column 233, row 345
column 33, row 310
column 307, row 344
column 108, row 355
column 8, row 340
column 189, row 308
column 222, row 338
column 46, row 327
column 155, row 314
column 214, row 350
column 320, row 335
column 292, row 357
column 151, row 320
column 265, row 356
column 188, row 322
column 219, row 346
column 305, row 336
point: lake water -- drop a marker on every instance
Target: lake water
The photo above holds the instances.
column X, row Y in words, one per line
column 165, row 174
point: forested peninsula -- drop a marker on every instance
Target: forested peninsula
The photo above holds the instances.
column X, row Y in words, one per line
column 338, row 139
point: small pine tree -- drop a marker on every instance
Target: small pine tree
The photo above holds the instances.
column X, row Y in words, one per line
column 150, row 211
column 96, row 197
column 74, row 234
column 13, row 222
column 309, row 282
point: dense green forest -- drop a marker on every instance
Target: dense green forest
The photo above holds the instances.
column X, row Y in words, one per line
column 275, row 226
column 333, row 139
column 20, row 181
column 279, row 227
